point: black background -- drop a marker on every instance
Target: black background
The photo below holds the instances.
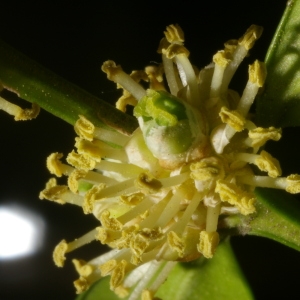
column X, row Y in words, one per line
column 73, row 40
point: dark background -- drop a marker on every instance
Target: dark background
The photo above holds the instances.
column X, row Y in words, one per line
column 73, row 40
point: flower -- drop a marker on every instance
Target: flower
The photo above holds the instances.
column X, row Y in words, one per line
column 158, row 194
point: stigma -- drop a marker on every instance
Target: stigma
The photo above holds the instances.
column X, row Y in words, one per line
column 159, row 194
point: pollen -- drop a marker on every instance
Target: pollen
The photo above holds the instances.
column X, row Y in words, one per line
column 159, row 194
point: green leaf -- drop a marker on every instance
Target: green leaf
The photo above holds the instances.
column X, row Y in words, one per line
column 278, row 218
column 279, row 104
column 214, row 279
column 32, row 82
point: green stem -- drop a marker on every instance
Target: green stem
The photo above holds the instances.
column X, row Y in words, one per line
column 34, row 83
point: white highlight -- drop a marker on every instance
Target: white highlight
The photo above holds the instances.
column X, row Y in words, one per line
column 21, row 232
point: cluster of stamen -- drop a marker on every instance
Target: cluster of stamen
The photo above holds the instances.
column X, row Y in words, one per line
column 155, row 210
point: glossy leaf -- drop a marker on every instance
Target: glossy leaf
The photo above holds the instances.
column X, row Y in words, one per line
column 279, row 104
column 34, row 83
column 217, row 278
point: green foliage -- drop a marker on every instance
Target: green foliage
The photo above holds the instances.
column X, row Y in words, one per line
column 279, row 103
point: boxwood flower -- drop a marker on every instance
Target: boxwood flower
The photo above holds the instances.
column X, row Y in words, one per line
column 158, row 194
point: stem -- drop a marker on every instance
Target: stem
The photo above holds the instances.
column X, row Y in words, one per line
column 34, row 83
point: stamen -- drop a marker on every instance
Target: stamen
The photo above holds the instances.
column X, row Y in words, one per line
column 60, row 194
column 153, row 268
column 19, row 113
column 257, row 75
column 155, row 78
column 80, row 161
column 84, row 128
column 181, row 54
column 90, row 197
column 264, row 161
column 176, row 243
column 260, row 136
column 291, row 183
column 63, row 247
column 110, row 136
column 162, row 276
column 221, row 60
column 116, row 74
column 174, row 34
column 212, row 218
column 233, row 118
column 136, row 211
column 124, row 169
column 55, row 166
column 171, row 75
column 246, row 42
column 208, row 243
column 179, row 227
column 232, row 194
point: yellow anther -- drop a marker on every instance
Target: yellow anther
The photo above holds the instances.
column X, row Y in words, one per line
column 233, row 118
column 261, row 135
column 269, row 164
column 107, row 236
column 19, row 113
column 222, row 58
column 59, row 253
column 81, row 285
column 257, row 73
column 91, row 196
column 84, row 128
column 121, row 291
column 54, row 165
column 293, row 184
column 132, row 199
column 138, row 245
column 82, row 267
column 108, row 267
column 176, row 243
column 80, row 161
column 73, row 179
column 111, row 69
column 174, row 34
column 146, row 182
column 139, row 75
column 175, row 49
column 147, row 295
column 208, row 243
column 103, row 235
column 252, row 34
column 118, row 274
column 207, row 168
column 153, row 234
column 88, row 148
column 53, row 192
column 124, row 100
column 110, row 223
column 127, row 235
column 155, row 76
column 230, row 193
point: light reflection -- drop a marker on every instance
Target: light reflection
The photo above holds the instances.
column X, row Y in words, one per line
column 21, row 232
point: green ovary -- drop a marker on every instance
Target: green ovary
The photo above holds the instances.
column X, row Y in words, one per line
column 168, row 139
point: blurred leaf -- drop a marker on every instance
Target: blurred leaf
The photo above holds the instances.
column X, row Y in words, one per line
column 32, row 82
column 213, row 279
column 279, row 104
column 278, row 218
